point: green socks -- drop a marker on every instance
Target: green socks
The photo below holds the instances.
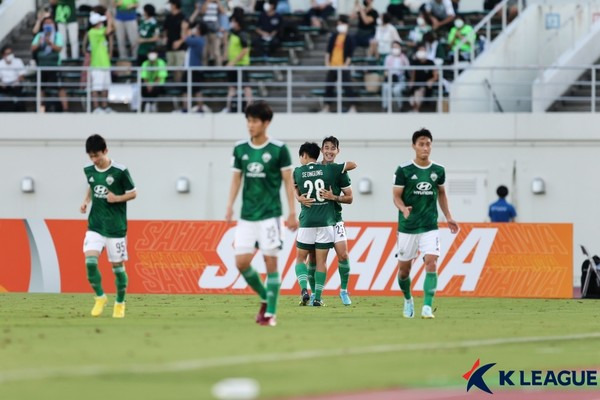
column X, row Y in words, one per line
column 405, row 286
column 319, row 283
column 120, row 282
column 93, row 275
column 253, row 280
column 344, row 270
column 302, row 275
column 273, row 284
column 429, row 287
column 311, row 275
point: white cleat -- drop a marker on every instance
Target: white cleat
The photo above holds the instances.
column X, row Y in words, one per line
column 426, row 313
column 409, row 308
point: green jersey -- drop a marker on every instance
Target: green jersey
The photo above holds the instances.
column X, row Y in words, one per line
column 310, row 179
column 261, row 168
column 108, row 219
column 99, row 48
column 66, row 12
column 420, row 192
column 147, row 30
column 342, row 183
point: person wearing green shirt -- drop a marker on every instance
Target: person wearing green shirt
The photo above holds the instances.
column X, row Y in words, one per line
column 126, row 25
column 154, row 73
column 460, row 31
column 418, row 187
column 238, row 50
column 148, row 33
column 262, row 164
column 98, row 37
column 65, row 16
column 110, row 188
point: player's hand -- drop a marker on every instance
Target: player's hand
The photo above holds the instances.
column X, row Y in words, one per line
column 292, row 222
column 83, row 208
column 406, row 211
column 328, row 194
column 452, row 225
column 112, row 198
column 305, row 201
column 229, row 215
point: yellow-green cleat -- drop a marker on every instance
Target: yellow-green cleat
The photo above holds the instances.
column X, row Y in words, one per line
column 119, row 310
column 99, row 304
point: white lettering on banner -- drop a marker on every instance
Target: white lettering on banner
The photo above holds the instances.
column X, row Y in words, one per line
column 210, row 278
column 447, row 238
column 480, row 239
column 372, row 240
column 334, row 282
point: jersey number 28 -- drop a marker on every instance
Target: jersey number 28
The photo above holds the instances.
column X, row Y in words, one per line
column 318, row 186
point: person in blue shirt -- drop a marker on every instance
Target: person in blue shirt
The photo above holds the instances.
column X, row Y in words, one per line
column 502, row 210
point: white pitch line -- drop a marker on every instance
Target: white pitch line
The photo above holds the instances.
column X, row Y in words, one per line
column 198, row 364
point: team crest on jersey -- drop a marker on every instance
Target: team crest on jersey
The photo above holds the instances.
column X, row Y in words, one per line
column 266, row 157
column 245, row 157
column 110, row 180
column 433, row 176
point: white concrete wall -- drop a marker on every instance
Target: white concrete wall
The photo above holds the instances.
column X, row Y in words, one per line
column 560, row 148
column 526, row 42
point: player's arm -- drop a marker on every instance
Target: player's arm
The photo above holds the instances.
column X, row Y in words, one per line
column 399, row 203
column 86, row 200
column 302, row 199
column 288, row 181
column 347, row 197
column 121, row 198
column 443, row 200
column 350, row 165
column 234, row 188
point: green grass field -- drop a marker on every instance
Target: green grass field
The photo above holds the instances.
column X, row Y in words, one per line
column 178, row 347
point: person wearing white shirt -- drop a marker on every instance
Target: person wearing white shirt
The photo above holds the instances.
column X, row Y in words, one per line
column 12, row 73
column 385, row 35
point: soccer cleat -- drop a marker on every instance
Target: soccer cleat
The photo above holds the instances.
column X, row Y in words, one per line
column 409, row 308
column 345, row 298
column 99, row 304
column 318, row 303
column 312, row 299
column 305, row 297
column 119, row 310
column 261, row 312
column 269, row 321
column 426, row 313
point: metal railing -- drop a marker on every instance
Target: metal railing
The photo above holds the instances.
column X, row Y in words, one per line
column 293, row 89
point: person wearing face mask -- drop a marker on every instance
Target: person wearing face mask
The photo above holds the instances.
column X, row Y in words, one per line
column 12, row 73
column 456, row 35
column 385, row 35
column 415, row 36
column 268, row 29
column 148, row 33
column 367, row 22
column 421, row 80
column 153, row 75
column 339, row 54
column 396, row 64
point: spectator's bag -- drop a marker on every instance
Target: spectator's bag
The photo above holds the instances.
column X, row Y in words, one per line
column 593, row 291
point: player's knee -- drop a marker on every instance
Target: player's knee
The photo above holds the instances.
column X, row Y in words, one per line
column 431, row 265
column 343, row 257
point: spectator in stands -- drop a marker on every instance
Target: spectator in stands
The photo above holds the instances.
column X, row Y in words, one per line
column 12, row 73
column 440, row 13
column 195, row 42
column 46, row 47
column 66, row 18
column 502, row 210
column 415, row 36
column 174, row 29
column 148, row 33
column 397, row 9
column 126, row 25
column 385, row 35
column 100, row 59
column 153, row 75
column 460, row 31
column 432, row 46
column 283, row 7
column 367, row 22
column 238, row 56
column 319, row 11
column 339, row 54
column 421, row 80
column 46, row 11
column 268, row 29
column 396, row 65
column 212, row 12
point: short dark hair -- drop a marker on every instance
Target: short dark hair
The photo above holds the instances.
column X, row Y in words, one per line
column 386, row 18
column 176, row 3
column 310, row 148
column 421, row 133
column 49, row 19
column 259, row 109
column 150, row 10
column 343, row 18
column 331, row 139
column 502, row 191
column 4, row 48
column 95, row 144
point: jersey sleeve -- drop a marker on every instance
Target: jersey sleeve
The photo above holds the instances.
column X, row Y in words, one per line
column 285, row 160
column 399, row 178
column 442, row 178
column 296, row 176
column 344, row 181
column 236, row 161
column 128, row 184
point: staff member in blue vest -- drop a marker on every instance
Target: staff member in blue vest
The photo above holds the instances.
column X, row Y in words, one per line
column 502, row 210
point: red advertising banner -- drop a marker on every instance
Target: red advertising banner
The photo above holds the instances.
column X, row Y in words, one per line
column 482, row 260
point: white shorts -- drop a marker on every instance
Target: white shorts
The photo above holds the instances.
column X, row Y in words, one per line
column 339, row 232
column 116, row 248
column 267, row 235
column 100, row 79
column 315, row 238
column 426, row 243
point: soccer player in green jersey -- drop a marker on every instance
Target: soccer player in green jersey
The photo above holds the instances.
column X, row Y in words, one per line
column 418, row 186
column 110, row 188
column 317, row 220
column 262, row 163
column 341, row 192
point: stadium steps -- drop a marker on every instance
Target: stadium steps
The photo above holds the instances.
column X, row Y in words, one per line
column 577, row 98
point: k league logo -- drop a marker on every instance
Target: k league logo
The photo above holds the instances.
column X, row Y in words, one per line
column 475, row 377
